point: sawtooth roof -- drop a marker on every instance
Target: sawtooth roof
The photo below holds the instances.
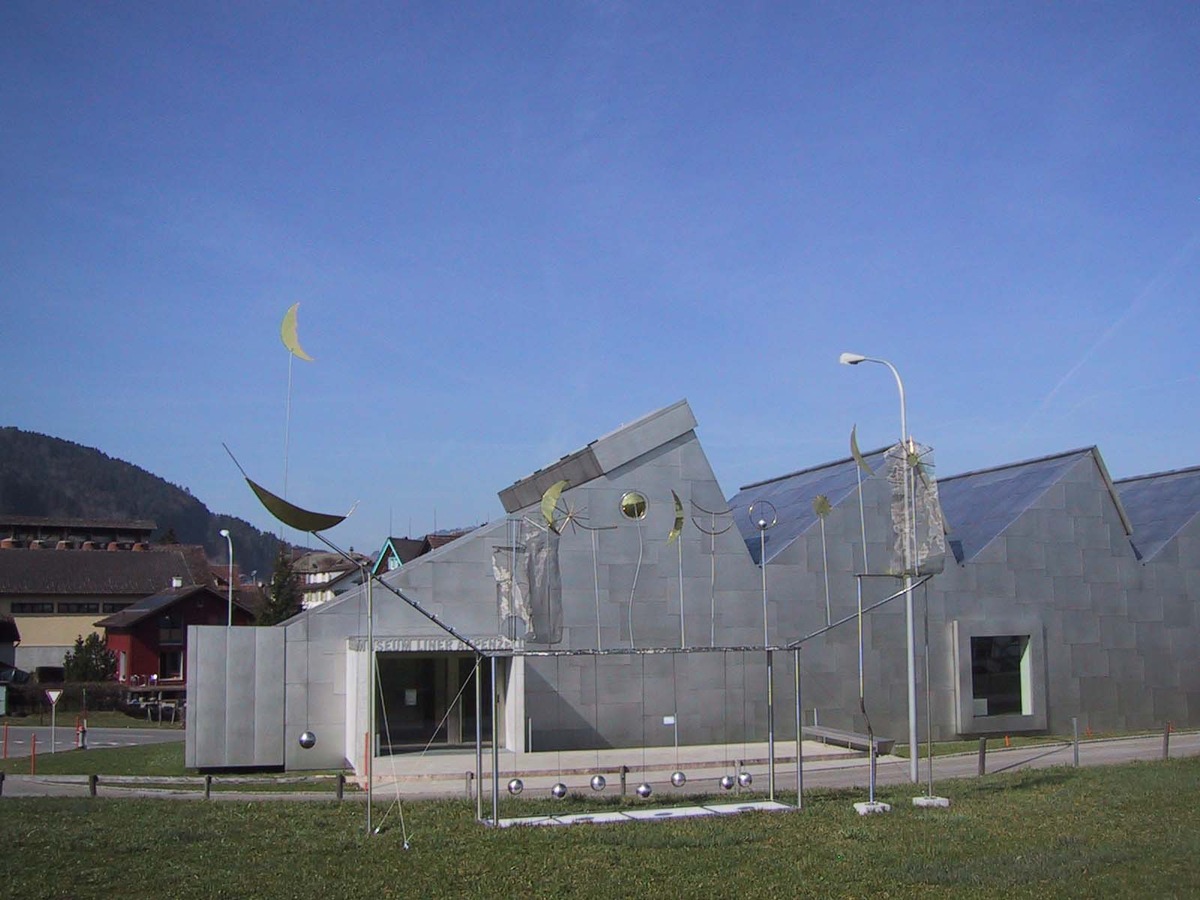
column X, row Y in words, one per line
column 792, row 497
column 1160, row 506
column 978, row 506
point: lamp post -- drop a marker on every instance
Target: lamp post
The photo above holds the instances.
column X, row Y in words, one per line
column 229, row 541
column 853, row 359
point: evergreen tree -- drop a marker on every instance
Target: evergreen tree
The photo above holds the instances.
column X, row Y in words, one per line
column 91, row 660
column 283, row 598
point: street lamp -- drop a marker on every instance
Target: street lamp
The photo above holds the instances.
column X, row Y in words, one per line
column 853, row 359
column 229, row 541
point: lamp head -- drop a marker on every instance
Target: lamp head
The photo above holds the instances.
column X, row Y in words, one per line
column 224, row 532
column 851, row 359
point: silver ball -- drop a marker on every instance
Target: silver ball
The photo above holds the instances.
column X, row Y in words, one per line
column 745, row 779
column 559, row 791
column 598, row 782
column 678, row 779
column 308, row 740
column 727, row 782
column 516, row 786
column 644, row 790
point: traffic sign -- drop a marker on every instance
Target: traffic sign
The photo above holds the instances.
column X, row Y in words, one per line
column 53, row 695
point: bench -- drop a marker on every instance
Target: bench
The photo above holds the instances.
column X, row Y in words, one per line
column 850, row 739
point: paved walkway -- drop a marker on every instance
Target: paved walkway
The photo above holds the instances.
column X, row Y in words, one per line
column 444, row 773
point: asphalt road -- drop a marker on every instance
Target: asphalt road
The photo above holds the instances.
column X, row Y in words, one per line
column 17, row 740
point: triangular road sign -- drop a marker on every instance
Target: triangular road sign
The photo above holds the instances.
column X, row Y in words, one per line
column 53, row 695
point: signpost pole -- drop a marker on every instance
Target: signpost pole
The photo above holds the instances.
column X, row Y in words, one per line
column 52, row 696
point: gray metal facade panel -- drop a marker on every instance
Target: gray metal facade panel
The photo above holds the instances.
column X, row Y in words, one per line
column 978, row 507
column 269, row 686
column 205, row 740
column 630, row 442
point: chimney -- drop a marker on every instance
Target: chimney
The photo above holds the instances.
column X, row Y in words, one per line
column 176, row 582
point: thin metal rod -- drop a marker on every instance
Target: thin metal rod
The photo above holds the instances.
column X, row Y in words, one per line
column 762, row 564
column 495, row 748
column 799, row 735
column 928, row 705
column 770, row 726
column 371, row 701
column 682, row 627
column 478, row 739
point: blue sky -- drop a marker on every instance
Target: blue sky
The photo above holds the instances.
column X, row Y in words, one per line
column 513, row 227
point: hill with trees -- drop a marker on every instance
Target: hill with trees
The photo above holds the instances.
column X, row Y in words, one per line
column 47, row 476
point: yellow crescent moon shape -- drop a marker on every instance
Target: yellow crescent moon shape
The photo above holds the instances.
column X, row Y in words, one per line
column 550, row 500
column 856, row 453
column 287, row 331
column 678, row 528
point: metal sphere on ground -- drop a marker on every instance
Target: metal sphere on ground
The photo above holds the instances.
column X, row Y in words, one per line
column 727, row 782
column 516, row 786
column 598, row 782
column 644, row 790
column 745, row 779
column 308, row 740
column 558, row 791
column 678, row 779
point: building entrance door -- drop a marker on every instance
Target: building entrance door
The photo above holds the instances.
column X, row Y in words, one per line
column 429, row 699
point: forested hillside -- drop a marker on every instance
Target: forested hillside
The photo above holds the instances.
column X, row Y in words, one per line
column 47, row 476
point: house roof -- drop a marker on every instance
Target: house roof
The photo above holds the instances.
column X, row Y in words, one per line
column 327, row 561
column 56, row 523
column 406, row 549
column 156, row 603
column 792, row 496
column 1159, row 506
column 99, row 572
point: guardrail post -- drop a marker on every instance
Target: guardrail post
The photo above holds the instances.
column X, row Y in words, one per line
column 341, row 784
column 469, row 778
column 1167, row 741
column 93, row 781
column 1075, row 729
column 983, row 756
column 1, row 784
column 624, row 772
column 207, row 787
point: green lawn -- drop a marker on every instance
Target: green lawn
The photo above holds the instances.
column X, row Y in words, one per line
column 1127, row 831
column 146, row 759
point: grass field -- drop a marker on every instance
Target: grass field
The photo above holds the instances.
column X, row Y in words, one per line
column 1128, row 831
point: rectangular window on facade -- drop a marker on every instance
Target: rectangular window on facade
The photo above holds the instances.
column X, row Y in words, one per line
column 1000, row 675
column 24, row 607
column 170, row 630
column 116, row 607
column 77, row 607
column 170, row 665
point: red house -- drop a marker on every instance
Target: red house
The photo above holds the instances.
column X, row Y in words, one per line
column 150, row 637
